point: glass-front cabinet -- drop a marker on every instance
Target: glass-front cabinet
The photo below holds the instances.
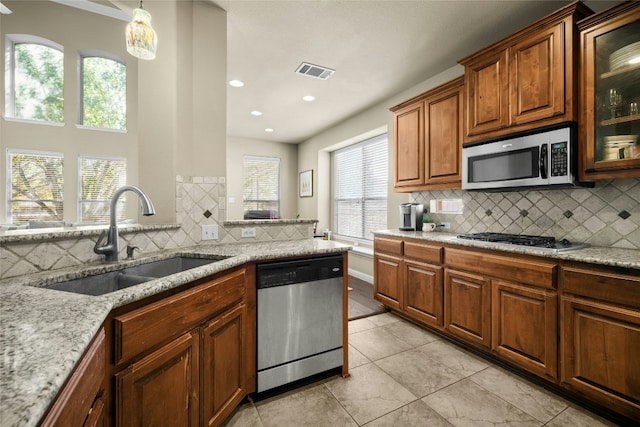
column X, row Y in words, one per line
column 610, row 94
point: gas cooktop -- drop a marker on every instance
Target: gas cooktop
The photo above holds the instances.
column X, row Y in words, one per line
column 538, row 242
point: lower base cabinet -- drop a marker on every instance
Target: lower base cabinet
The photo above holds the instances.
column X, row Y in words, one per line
column 423, row 292
column 467, row 307
column 162, row 388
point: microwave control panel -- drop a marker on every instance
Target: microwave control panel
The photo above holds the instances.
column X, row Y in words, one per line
column 559, row 159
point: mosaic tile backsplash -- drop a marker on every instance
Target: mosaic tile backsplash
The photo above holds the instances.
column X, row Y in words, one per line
column 606, row 215
column 199, row 201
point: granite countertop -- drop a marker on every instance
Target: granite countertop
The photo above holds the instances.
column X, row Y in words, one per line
column 44, row 332
column 614, row 257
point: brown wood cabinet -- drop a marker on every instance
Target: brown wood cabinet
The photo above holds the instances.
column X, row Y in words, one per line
column 609, row 86
column 408, row 278
column 526, row 80
column 188, row 359
column 600, row 336
column 81, row 400
column 428, row 132
column 467, row 307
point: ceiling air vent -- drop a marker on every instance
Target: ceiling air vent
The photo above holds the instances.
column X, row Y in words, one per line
column 315, row 71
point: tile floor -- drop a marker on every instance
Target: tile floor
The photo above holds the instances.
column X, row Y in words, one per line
column 402, row 375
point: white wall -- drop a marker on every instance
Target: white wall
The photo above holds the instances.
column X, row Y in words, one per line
column 288, row 155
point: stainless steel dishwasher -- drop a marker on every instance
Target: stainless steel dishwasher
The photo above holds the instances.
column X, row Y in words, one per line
column 299, row 311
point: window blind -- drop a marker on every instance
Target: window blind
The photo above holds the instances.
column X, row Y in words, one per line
column 99, row 178
column 35, row 184
column 360, row 174
column 261, row 188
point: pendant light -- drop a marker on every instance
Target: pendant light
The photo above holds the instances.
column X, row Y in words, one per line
column 141, row 38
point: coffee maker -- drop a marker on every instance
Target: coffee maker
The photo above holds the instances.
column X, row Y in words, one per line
column 411, row 216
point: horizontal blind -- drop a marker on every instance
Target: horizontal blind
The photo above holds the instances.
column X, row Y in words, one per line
column 35, row 186
column 99, row 178
column 360, row 176
column 261, row 187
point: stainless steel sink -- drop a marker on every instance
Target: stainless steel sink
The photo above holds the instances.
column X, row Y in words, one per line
column 105, row 283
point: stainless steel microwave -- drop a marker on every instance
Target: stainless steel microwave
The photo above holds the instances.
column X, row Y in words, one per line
column 545, row 158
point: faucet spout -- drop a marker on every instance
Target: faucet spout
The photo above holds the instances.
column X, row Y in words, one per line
column 111, row 249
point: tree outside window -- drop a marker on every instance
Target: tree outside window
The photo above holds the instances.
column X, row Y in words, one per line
column 104, row 93
column 99, row 178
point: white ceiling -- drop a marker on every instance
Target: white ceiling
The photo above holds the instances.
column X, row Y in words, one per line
column 378, row 49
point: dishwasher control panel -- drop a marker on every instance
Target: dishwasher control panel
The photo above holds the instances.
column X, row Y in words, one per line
column 298, row 271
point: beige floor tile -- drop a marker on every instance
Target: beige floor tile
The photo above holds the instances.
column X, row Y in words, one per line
column 415, row 414
column 360, row 325
column 534, row 400
column 454, row 358
column 578, row 417
column 384, row 319
column 312, row 407
column 419, row 374
column 356, row 358
column 245, row 416
column 369, row 393
column 467, row 404
column 411, row 334
column 377, row 343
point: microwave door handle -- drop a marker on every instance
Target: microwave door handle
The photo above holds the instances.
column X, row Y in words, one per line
column 543, row 164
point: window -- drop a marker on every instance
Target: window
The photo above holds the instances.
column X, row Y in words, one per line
column 360, row 188
column 98, row 179
column 104, row 92
column 261, row 190
column 35, row 184
column 34, row 82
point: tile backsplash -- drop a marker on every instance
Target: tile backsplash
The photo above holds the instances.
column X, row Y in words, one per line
column 606, row 215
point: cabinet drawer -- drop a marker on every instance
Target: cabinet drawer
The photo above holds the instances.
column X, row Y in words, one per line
column 530, row 271
column 602, row 285
column 388, row 246
column 149, row 326
column 423, row 252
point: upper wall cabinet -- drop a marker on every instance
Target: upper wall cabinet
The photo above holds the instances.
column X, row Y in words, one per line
column 427, row 138
column 526, row 80
column 610, row 83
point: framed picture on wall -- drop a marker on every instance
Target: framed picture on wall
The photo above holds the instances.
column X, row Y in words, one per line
column 306, row 183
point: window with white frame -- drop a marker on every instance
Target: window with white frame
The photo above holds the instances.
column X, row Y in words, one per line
column 34, row 82
column 360, row 174
column 261, row 188
column 104, row 91
column 35, row 186
column 98, row 179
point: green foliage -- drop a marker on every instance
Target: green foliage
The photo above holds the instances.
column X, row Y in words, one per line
column 104, row 93
column 36, row 187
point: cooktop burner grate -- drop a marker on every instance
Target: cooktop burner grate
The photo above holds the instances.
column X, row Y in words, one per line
column 515, row 239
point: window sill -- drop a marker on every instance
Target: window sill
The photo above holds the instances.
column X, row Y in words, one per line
column 32, row 122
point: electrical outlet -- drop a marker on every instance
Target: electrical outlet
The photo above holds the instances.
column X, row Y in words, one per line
column 248, row 232
column 446, row 226
column 210, row 232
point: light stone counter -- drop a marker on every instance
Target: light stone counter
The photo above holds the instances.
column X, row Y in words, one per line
column 614, row 257
column 43, row 332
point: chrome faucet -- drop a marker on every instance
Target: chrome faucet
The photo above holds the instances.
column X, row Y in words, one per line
column 110, row 249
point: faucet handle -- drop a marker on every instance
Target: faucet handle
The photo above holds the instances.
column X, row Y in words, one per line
column 130, row 250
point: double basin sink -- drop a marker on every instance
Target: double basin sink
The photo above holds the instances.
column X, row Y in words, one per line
column 104, row 283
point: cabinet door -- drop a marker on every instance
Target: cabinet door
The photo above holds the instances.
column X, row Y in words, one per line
column 524, row 327
column 408, row 144
column 223, row 384
column 600, row 348
column 387, row 280
column 467, row 306
column 444, row 136
column 162, row 388
column 487, row 82
column 537, row 76
column 423, row 292
column 610, row 98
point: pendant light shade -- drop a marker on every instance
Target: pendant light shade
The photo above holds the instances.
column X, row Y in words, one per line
column 141, row 38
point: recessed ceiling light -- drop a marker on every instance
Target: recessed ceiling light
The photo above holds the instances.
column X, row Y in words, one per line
column 236, row 83
column 309, row 98
column 256, row 113
column 268, row 130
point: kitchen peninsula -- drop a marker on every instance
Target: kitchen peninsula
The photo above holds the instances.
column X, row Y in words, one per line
column 45, row 332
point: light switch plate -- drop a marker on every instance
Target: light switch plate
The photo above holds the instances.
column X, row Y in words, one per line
column 210, row 232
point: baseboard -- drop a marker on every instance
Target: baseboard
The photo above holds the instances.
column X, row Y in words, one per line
column 359, row 275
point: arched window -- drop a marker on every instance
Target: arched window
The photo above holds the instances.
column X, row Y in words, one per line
column 34, row 81
column 104, row 91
